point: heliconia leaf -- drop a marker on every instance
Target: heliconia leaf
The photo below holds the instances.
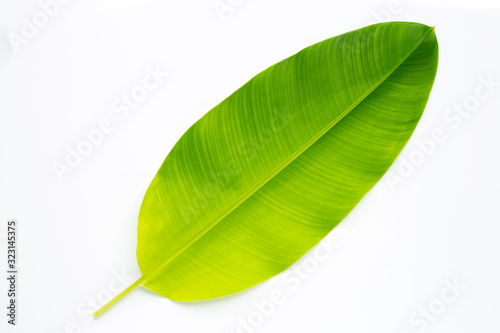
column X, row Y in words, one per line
column 266, row 174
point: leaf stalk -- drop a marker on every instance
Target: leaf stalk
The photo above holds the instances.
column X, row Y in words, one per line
column 118, row 297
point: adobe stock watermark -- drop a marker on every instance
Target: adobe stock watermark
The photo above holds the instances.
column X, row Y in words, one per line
column 223, row 7
column 293, row 278
column 393, row 7
column 424, row 316
column 31, row 26
column 85, row 309
column 121, row 108
column 454, row 117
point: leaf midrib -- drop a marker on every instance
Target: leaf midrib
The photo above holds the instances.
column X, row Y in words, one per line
column 275, row 172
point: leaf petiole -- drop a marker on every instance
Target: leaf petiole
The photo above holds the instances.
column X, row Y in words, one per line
column 119, row 297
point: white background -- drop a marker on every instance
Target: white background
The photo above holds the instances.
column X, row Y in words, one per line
column 395, row 251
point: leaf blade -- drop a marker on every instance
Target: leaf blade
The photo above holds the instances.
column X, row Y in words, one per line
column 212, row 259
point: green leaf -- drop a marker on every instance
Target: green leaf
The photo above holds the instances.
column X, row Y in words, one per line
column 266, row 174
